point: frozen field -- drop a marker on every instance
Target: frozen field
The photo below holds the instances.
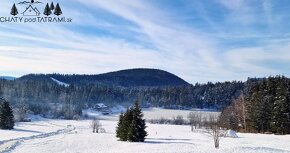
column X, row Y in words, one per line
column 152, row 113
column 157, row 113
column 55, row 136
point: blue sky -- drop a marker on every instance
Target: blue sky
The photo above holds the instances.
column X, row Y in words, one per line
column 198, row 40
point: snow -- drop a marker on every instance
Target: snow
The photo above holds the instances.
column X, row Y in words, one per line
column 157, row 113
column 232, row 134
column 149, row 113
column 59, row 82
column 48, row 136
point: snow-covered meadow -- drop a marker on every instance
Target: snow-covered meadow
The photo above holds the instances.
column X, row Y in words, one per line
column 63, row 136
column 150, row 113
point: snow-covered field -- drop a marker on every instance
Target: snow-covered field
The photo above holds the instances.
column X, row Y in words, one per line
column 55, row 136
column 157, row 113
column 150, row 113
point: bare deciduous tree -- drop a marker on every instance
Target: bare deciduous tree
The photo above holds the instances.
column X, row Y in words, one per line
column 20, row 112
column 193, row 119
column 215, row 130
column 199, row 119
column 96, row 125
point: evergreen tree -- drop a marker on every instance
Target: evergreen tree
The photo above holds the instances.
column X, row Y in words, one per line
column 253, row 110
column 51, row 6
column 137, row 127
column 14, row 10
column 132, row 131
column 57, row 10
column 258, row 102
column 229, row 118
column 120, row 132
column 47, row 10
column 280, row 110
column 6, row 115
column 124, row 125
column 267, row 105
column 131, row 125
column 288, row 114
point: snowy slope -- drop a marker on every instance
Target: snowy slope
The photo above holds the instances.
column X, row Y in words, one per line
column 161, row 139
column 60, row 83
column 44, row 128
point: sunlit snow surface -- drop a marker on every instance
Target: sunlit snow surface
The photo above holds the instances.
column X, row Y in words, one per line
column 78, row 138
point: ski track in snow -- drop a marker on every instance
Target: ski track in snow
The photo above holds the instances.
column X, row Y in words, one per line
column 55, row 136
column 11, row 144
column 161, row 139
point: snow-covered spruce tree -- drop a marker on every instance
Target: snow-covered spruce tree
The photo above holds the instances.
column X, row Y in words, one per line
column 288, row 114
column 259, row 103
column 132, row 132
column 280, row 110
column 137, row 127
column 124, row 124
column 6, row 115
column 119, row 129
column 131, row 126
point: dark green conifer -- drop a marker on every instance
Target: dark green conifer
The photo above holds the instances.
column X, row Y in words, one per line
column 131, row 126
column 120, row 133
column 6, row 115
column 138, row 125
column 280, row 109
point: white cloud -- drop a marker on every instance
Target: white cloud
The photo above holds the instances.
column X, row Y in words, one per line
column 175, row 47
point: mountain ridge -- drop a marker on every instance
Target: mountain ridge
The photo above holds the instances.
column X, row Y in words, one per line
column 138, row 77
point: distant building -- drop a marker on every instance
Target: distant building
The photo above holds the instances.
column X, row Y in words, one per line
column 30, row 11
column 101, row 107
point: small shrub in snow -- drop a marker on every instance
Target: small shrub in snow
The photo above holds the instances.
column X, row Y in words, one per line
column 96, row 125
column 215, row 130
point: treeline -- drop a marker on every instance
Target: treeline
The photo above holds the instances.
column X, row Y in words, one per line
column 44, row 96
column 264, row 107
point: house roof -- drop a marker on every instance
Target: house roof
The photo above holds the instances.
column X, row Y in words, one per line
column 101, row 105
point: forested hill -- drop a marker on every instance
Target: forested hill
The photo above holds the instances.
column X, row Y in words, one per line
column 124, row 78
column 67, row 95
